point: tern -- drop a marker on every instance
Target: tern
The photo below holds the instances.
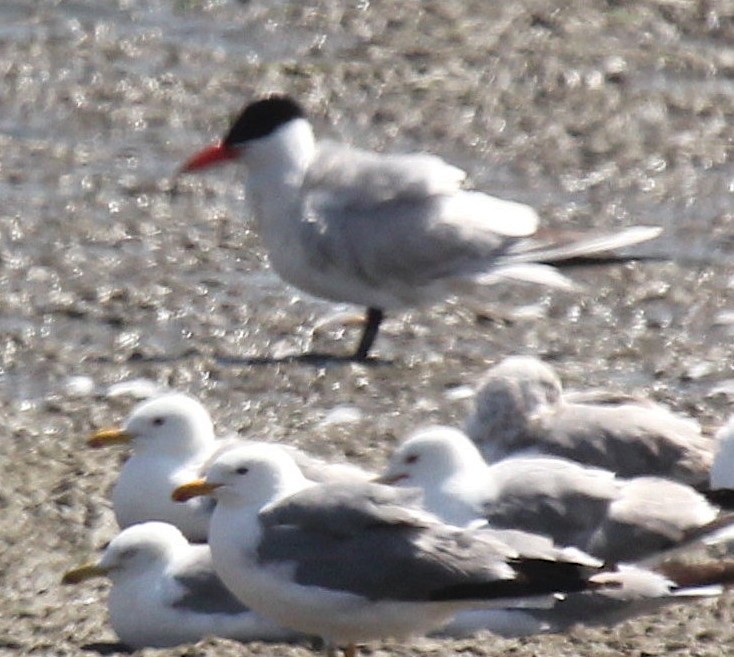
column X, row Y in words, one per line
column 386, row 231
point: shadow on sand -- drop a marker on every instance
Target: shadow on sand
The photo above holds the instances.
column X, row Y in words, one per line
column 314, row 359
column 107, row 647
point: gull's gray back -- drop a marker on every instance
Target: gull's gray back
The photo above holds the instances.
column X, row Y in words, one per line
column 365, row 543
column 549, row 496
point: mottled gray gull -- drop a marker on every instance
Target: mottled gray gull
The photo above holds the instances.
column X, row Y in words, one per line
column 521, row 408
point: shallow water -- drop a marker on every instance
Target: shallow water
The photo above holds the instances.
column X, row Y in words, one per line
column 598, row 114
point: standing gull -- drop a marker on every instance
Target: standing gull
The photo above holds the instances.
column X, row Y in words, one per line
column 520, row 408
column 353, row 563
column 385, row 231
column 165, row 592
column 611, row 518
column 173, row 438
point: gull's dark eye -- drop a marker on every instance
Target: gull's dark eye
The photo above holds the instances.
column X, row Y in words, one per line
column 159, row 421
column 128, row 552
column 410, row 459
column 243, row 470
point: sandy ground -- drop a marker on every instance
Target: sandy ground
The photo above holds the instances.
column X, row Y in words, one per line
column 599, row 114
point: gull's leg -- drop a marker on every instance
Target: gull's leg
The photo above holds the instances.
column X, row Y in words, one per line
column 350, row 650
column 373, row 320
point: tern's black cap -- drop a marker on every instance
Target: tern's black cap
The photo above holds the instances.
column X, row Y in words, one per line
column 261, row 118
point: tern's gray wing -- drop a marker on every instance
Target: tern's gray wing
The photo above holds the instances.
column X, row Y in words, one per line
column 402, row 219
column 554, row 246
column 399, row 222
column 407, row 241
column 549, row 496
column 199, row 588
column 387, row 556
column 353, row 177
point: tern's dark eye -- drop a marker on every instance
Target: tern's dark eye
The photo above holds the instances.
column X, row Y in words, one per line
column 411, row 458
column 159, row 421
column 243, row 470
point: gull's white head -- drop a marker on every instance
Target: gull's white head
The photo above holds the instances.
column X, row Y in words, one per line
column 510, row 393
column 431, row 456
column 173, row 424
column 140, row 550
column 254, row 474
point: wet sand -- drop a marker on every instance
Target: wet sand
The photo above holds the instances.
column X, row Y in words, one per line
column 599, row 114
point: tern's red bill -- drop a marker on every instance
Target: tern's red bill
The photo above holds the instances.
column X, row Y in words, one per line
column 209, row 156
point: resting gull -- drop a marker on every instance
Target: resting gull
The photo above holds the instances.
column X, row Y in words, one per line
column 721, row 480
column 165, row 592
column 172, row 437
column 611, row 518
column 520, row 408
column 355, row 562
column 630, row 591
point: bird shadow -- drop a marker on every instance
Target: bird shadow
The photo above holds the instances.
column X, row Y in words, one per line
column 315, row 359
column 107, row 647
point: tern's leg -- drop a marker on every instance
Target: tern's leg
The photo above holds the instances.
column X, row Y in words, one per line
column 371, row 327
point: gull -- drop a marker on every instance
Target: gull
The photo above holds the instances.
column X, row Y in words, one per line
column 352, row 562
column 386, row 231
column 721, row 478
column 520, row 408
column 165, row 592
column 608, row 517
column 172, row 437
